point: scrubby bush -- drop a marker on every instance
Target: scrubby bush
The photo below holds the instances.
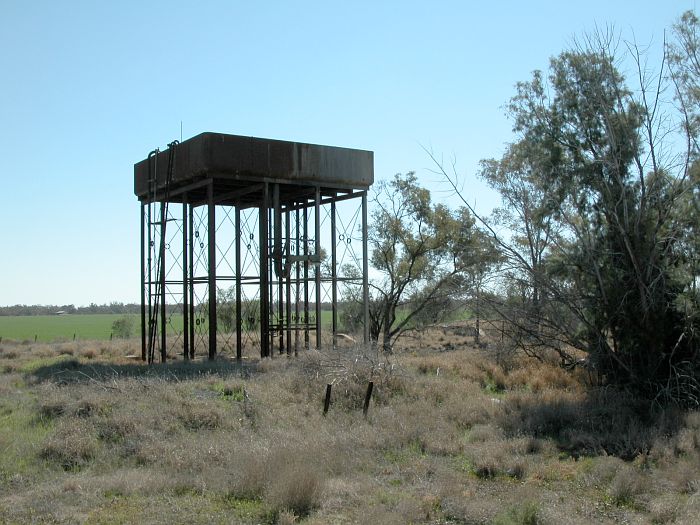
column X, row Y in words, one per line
column 123, row 327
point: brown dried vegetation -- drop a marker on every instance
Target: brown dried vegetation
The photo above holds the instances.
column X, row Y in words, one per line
column 452, row 436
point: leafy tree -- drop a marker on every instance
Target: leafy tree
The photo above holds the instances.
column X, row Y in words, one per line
column 684, row 56
column 598, row 213
column 423, row 253
column 526, row 213
column 226, row 309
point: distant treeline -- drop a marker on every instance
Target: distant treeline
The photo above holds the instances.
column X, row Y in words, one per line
column 41, row 309
column 111, row 308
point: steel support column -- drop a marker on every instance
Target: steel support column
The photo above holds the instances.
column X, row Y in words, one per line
column 163, row 324
column 143, row 281
column 306, row 279
column 365, row 271
column 185, row 288
column 239, row 325
column 151, row 327
column 190, row 221
column 270, row 282
column 211, row 239
column 297, row 277
column 288, row 276
column 264, row 284
column 317, row 263
column 334, row 277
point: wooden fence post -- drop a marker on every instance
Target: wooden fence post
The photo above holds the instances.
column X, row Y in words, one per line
column 327, row 401
column 370, row 386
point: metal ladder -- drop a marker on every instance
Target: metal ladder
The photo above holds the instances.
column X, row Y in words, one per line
column 157, row 228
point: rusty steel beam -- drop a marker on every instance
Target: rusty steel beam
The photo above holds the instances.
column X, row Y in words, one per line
column 238, row 158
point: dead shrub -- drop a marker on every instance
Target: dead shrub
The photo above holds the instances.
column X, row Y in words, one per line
column 384, row 514
column 692, row 420
column 626, row 484
column 470, row 410
column 286, row 517
column 551, row 377
column 72, row 446
column 525, row 445
column 664, row 509
column 83, row 402
column 689, row 512
column 350, row 370
column 250, row 477
column 428, row 366
column 526, row 513
column 461, row 506
column 399, row 509
column 200, row 417
column 494, row 380
column 686, row 442
column 116, row 429
column 685, row 475
column 52, row 408
column 485, row 459
column 91, row 406
column 484, row 433
column 90, row 353
column 297, row 488
column 601, row 471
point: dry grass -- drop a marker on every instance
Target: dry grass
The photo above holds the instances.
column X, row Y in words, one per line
column 453, row 435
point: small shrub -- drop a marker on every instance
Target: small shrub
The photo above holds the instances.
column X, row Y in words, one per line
column 250, row 477
column 516, row 468
column 231, row 392
column 90, row 407
column 485, row 460
column 71, row 447
column 525, row 514
column 484, row 433
column 297, row 487
column 600, row 471
column 294, row 481
column 199, row 417
column 627, row 483
column 428, row 367
column 286, row 517
column 525, row 445
column 495, row 381
column 52, row 408
column 685, row 476
column 90, row 353
column 115, row 430
column 664, row 509
column 123, row 327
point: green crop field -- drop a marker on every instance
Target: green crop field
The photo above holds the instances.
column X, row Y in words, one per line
column 59, row 327
column 49, row 328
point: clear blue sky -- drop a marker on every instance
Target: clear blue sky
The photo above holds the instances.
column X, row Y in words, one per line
column 89, row 88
